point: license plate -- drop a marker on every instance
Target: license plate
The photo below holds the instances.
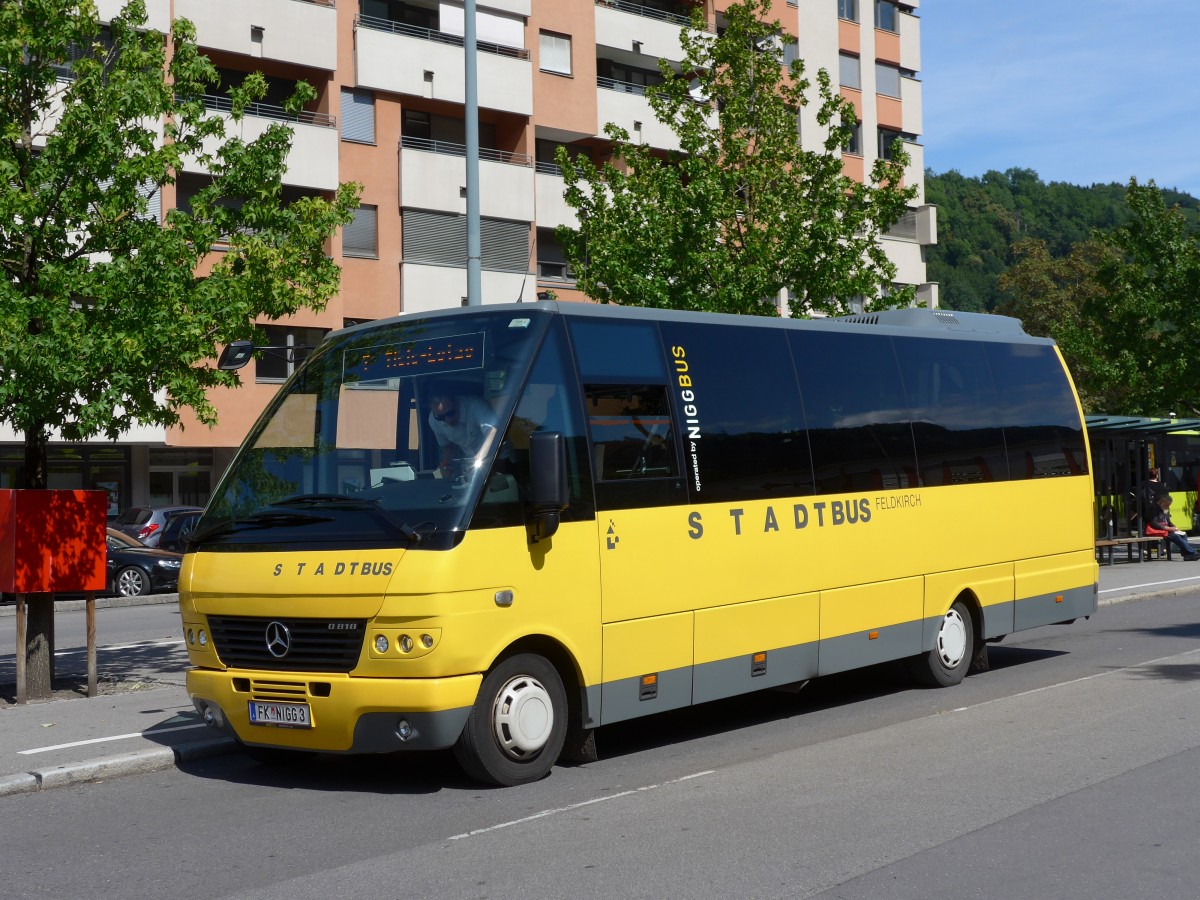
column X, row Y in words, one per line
column 282, row 715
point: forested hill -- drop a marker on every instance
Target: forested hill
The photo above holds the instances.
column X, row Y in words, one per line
column 980, row 218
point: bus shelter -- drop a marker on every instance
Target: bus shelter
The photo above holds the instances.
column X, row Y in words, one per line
column 1124, row 450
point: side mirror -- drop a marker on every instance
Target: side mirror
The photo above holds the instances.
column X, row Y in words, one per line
column 235, row 355
column 548, row 490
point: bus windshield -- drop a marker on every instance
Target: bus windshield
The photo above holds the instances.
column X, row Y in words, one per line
column 385, row 436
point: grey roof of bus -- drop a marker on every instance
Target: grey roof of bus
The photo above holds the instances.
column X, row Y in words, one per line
column 936, row 322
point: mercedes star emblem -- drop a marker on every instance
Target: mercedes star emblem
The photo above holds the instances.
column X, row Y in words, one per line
column 279, row 640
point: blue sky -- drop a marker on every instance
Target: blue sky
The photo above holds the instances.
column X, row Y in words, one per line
column 1082, row 91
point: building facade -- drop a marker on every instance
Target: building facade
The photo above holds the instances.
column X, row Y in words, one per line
column 389, row 113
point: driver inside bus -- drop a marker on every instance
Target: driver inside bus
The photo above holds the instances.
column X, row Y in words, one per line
column 463, row 424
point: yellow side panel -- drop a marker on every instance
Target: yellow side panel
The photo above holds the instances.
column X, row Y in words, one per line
column 866, row 607
column 658, row 644
column 1052, row 574
column 729, row 631
column 672, row 559
column 991, row 585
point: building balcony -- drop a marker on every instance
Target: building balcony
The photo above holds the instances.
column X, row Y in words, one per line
column 912, row 114
column 421, row 62
column 313, row 159
column 916, row 226
column 551, row 204
column 642, row 29
column 433, row 176
column 302, row 32
column 626, row 105
column 426, row 288
column 158, row 13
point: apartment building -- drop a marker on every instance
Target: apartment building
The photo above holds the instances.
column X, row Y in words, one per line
column 389, row 113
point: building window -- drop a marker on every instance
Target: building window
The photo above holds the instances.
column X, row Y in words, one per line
column 855, row 146
column 887, row 80
column 358, row 116
column 552, row 264
column 361, row 236
column 440, row 239
column 554, row 53
column 886, row 139
column 849, row 71
column 290, row 346
column 887, row 16
column 848, row 9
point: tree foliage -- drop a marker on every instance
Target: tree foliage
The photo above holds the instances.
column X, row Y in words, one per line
column 107, row 317
column 1122, row 305
column 981, row 220
column 740, row 212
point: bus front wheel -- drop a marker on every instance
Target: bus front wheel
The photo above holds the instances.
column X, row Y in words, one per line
column 947, row 663
column 517, row 726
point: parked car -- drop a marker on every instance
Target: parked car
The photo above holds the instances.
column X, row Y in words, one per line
column 146, row 522
column 135, row 569
column 177, row 528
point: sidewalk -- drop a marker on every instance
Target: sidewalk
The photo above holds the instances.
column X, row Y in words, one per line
column 56, row 743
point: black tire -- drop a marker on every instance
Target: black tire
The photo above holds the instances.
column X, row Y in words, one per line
column 947, row 663
column 131, row 582
column 517, row 726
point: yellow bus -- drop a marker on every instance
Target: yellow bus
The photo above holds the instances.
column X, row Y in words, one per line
column 652, row 509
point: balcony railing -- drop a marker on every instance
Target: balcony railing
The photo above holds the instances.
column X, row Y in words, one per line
column 649, row 12
column 548, row 168
column 624, row 87
column 441, row 37
column 271, row 111
column 905, row 228
column 451, row 149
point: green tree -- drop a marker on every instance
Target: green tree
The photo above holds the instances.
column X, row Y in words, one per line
column 1122, row 306
column 107, row 317
column 1050, row 295
column 1150, row 317
column 740, row 211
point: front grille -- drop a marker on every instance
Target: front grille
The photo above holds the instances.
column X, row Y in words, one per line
column 313, row 645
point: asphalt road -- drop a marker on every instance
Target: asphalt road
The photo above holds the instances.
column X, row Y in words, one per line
column 1066, row 771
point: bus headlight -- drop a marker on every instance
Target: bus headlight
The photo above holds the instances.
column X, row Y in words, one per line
column 381, row 643
column 406, row 644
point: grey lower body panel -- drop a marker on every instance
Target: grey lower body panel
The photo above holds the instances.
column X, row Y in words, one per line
column 1051, row 609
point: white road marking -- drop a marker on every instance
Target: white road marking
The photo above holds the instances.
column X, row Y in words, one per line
column 1149, row 584
column 580, row 805
column 115, row 737
column 140, row 645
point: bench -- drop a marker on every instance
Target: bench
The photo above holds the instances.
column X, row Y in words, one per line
column 1104, row 548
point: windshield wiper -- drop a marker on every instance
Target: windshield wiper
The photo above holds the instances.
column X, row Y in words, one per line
column 260, row 519
column 346, row 501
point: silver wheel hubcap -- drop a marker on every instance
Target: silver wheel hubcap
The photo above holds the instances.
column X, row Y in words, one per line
column 952, row 639
column 523, row 717
column 129, row 583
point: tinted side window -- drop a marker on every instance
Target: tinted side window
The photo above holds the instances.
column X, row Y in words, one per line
column 858, row 421
column 549, row 401
column 635, row 457
column 1042, row 427
column 739, row 411
column 617, row 351
column 953, row 403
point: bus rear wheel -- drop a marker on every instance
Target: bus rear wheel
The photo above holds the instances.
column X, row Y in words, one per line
column 518, row 724
column 947, row 663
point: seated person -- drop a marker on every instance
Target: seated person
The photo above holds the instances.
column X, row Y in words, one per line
column 1160, row 525
column 463, row 424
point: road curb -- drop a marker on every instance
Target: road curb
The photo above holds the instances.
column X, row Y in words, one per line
column 10, row 609
column 134, row 763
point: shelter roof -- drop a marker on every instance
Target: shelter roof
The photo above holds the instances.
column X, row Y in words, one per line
column 1138, row 424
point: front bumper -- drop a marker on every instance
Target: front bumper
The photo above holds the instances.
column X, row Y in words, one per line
column 349, row 715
